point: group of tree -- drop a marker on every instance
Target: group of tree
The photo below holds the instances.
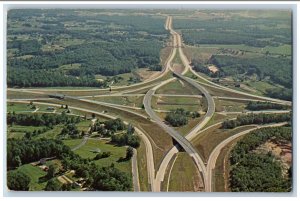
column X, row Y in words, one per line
column 127, row 138
column 258, row 172
column 101, row 155
column 70, row 130
column 109, row 127
column 261, row 118
column 48, row 120
column 180, row 117
column 264, row 106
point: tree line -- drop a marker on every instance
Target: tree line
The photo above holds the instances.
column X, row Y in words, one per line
column 260, row 118
column 44, row 119
column 264, row 106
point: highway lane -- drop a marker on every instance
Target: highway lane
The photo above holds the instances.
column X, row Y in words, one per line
column 210, row 106
column 215, row 153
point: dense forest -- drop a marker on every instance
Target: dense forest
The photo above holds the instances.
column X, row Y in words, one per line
column 248, row 166
column 42, row 42
column 26, row 151
column 232, row 65
column 250, row 31
column 260, row 118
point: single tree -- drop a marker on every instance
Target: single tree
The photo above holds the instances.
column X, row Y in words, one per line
column 129, row 153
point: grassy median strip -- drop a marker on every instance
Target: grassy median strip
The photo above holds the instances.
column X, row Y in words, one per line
column 184, row 175
column 142, row 167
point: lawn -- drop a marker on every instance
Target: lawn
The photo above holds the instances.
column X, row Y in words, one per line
column 260, row 86
column 134, row 101
column 185, row 176
column 172, row 103
column 35, row 173
column 84, row 125
column 229, row 106
column 17, row 131
column 178, row 87
column 18, row 107
column 142, row 167
column 51, row 134
column 89, row 151
column 217, row 118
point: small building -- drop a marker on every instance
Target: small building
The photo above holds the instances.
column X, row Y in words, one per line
column 50, row 108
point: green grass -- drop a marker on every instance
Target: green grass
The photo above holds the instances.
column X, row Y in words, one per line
column 177, row 59
column 135, row 101
column 34, row 173
column 43, row 108
column 117, row 152
column 142, row 167
column 176, row 87
column 70, row 66
column 84, row 125
column 17, row 131
column 217, row 118
column 260, row 86
column 173, row 103
column 23, row 95
column 18, row 107
column 229, row 106
column 184, row 175
column 51, row 134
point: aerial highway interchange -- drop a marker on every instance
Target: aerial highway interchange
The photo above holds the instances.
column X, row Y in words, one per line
column 157, row 169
